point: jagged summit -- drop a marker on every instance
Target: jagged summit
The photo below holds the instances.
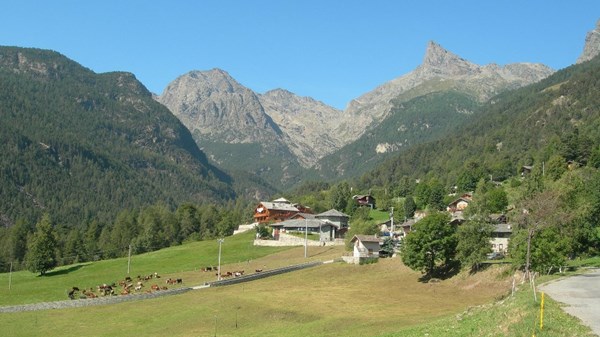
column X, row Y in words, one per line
column 439, row 60
column 592, row 44
column 440, row 70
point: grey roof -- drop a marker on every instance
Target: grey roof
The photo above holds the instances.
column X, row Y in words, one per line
column 279, row 206
column 503, row 228
column 303, row 223
column 366, row 238
column 408, row 222
column 282, row 200
column 332, row 212
column 305, row 215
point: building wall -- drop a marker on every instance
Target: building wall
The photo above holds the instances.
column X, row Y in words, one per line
column 366, row 249
column 500, row 245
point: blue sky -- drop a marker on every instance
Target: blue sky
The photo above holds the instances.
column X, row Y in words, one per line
column 333, row 51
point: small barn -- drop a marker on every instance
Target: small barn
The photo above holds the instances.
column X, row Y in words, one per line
column 366, row 245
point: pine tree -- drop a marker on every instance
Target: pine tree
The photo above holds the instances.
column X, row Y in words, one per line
column 41, row 252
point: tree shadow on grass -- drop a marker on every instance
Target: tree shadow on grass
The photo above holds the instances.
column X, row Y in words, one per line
column 441, row 273
column 65, row 271
column 479, row 268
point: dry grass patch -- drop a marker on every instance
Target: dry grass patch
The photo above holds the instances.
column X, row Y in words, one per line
column 330, row 300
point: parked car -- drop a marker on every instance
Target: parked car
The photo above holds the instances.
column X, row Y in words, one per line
column 495, row 256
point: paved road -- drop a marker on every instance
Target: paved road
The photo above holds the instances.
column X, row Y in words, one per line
column 581, row 293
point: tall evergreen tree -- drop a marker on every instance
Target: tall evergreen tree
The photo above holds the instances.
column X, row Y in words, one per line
column 41, row 252
column 409, row 207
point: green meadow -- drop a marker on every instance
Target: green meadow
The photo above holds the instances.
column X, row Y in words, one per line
column 335, row 299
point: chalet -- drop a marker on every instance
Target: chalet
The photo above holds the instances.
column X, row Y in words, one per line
column 366, row 246
column 329, row 225
column 460, row 204
column 277, row 210
column 364, row 200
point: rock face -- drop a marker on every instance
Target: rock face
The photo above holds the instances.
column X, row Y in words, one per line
column 592, row 45
column 217, row 108
column 441, row 70
column 307, row 124
column 214, row 106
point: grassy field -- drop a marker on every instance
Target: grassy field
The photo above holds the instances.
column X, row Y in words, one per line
column 337, row 299
column 178, row 262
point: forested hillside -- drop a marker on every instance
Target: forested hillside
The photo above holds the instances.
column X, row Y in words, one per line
column 82, row 146
column 559, row 116
column 420, row 120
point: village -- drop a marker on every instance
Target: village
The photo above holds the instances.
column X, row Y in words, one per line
column 293, row 224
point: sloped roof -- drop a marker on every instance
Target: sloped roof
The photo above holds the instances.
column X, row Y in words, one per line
column 282, row 200
column 366, row 238
column 280, row 206
column 502, row 228
column 303, row 223
column 304, row 215
column 330, row 213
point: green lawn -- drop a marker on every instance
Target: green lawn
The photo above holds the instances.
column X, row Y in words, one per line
column 379, row 216
column 178, row 261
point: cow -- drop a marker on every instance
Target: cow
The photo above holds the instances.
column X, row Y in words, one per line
column 72, row 292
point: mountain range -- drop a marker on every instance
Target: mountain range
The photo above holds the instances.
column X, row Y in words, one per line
column 284, row 138
column 81, row 146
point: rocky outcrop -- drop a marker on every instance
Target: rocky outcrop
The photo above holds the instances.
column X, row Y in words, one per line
column 441, row 70
column 305, row 122
column 217, row 108
column 592, row 45
column 213, row 106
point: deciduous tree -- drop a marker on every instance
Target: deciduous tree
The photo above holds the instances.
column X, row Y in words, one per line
column 432, row 244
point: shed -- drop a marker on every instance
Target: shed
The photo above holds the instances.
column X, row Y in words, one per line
column 366, row 246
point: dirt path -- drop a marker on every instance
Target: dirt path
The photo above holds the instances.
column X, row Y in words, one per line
column 581, row 293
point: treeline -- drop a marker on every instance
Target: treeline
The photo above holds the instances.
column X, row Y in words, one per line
column 144, row 229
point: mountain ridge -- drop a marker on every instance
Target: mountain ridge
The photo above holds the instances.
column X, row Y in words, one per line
column 82, row 145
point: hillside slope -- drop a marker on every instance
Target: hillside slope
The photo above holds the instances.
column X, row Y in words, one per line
column 558, row 115
column 81, row 145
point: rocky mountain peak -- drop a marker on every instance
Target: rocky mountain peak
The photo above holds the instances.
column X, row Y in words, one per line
column 213, row 104
column 440, row 61
column 592, row 44
column 216, row 78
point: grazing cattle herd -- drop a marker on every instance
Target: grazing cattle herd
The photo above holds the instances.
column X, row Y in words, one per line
column 123, row 287
column 128, row 285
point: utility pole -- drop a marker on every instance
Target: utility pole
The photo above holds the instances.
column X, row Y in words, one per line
column 305, row 238
column 392, row 222
column 220, row 241
column 129, row 259
column 10, row 276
